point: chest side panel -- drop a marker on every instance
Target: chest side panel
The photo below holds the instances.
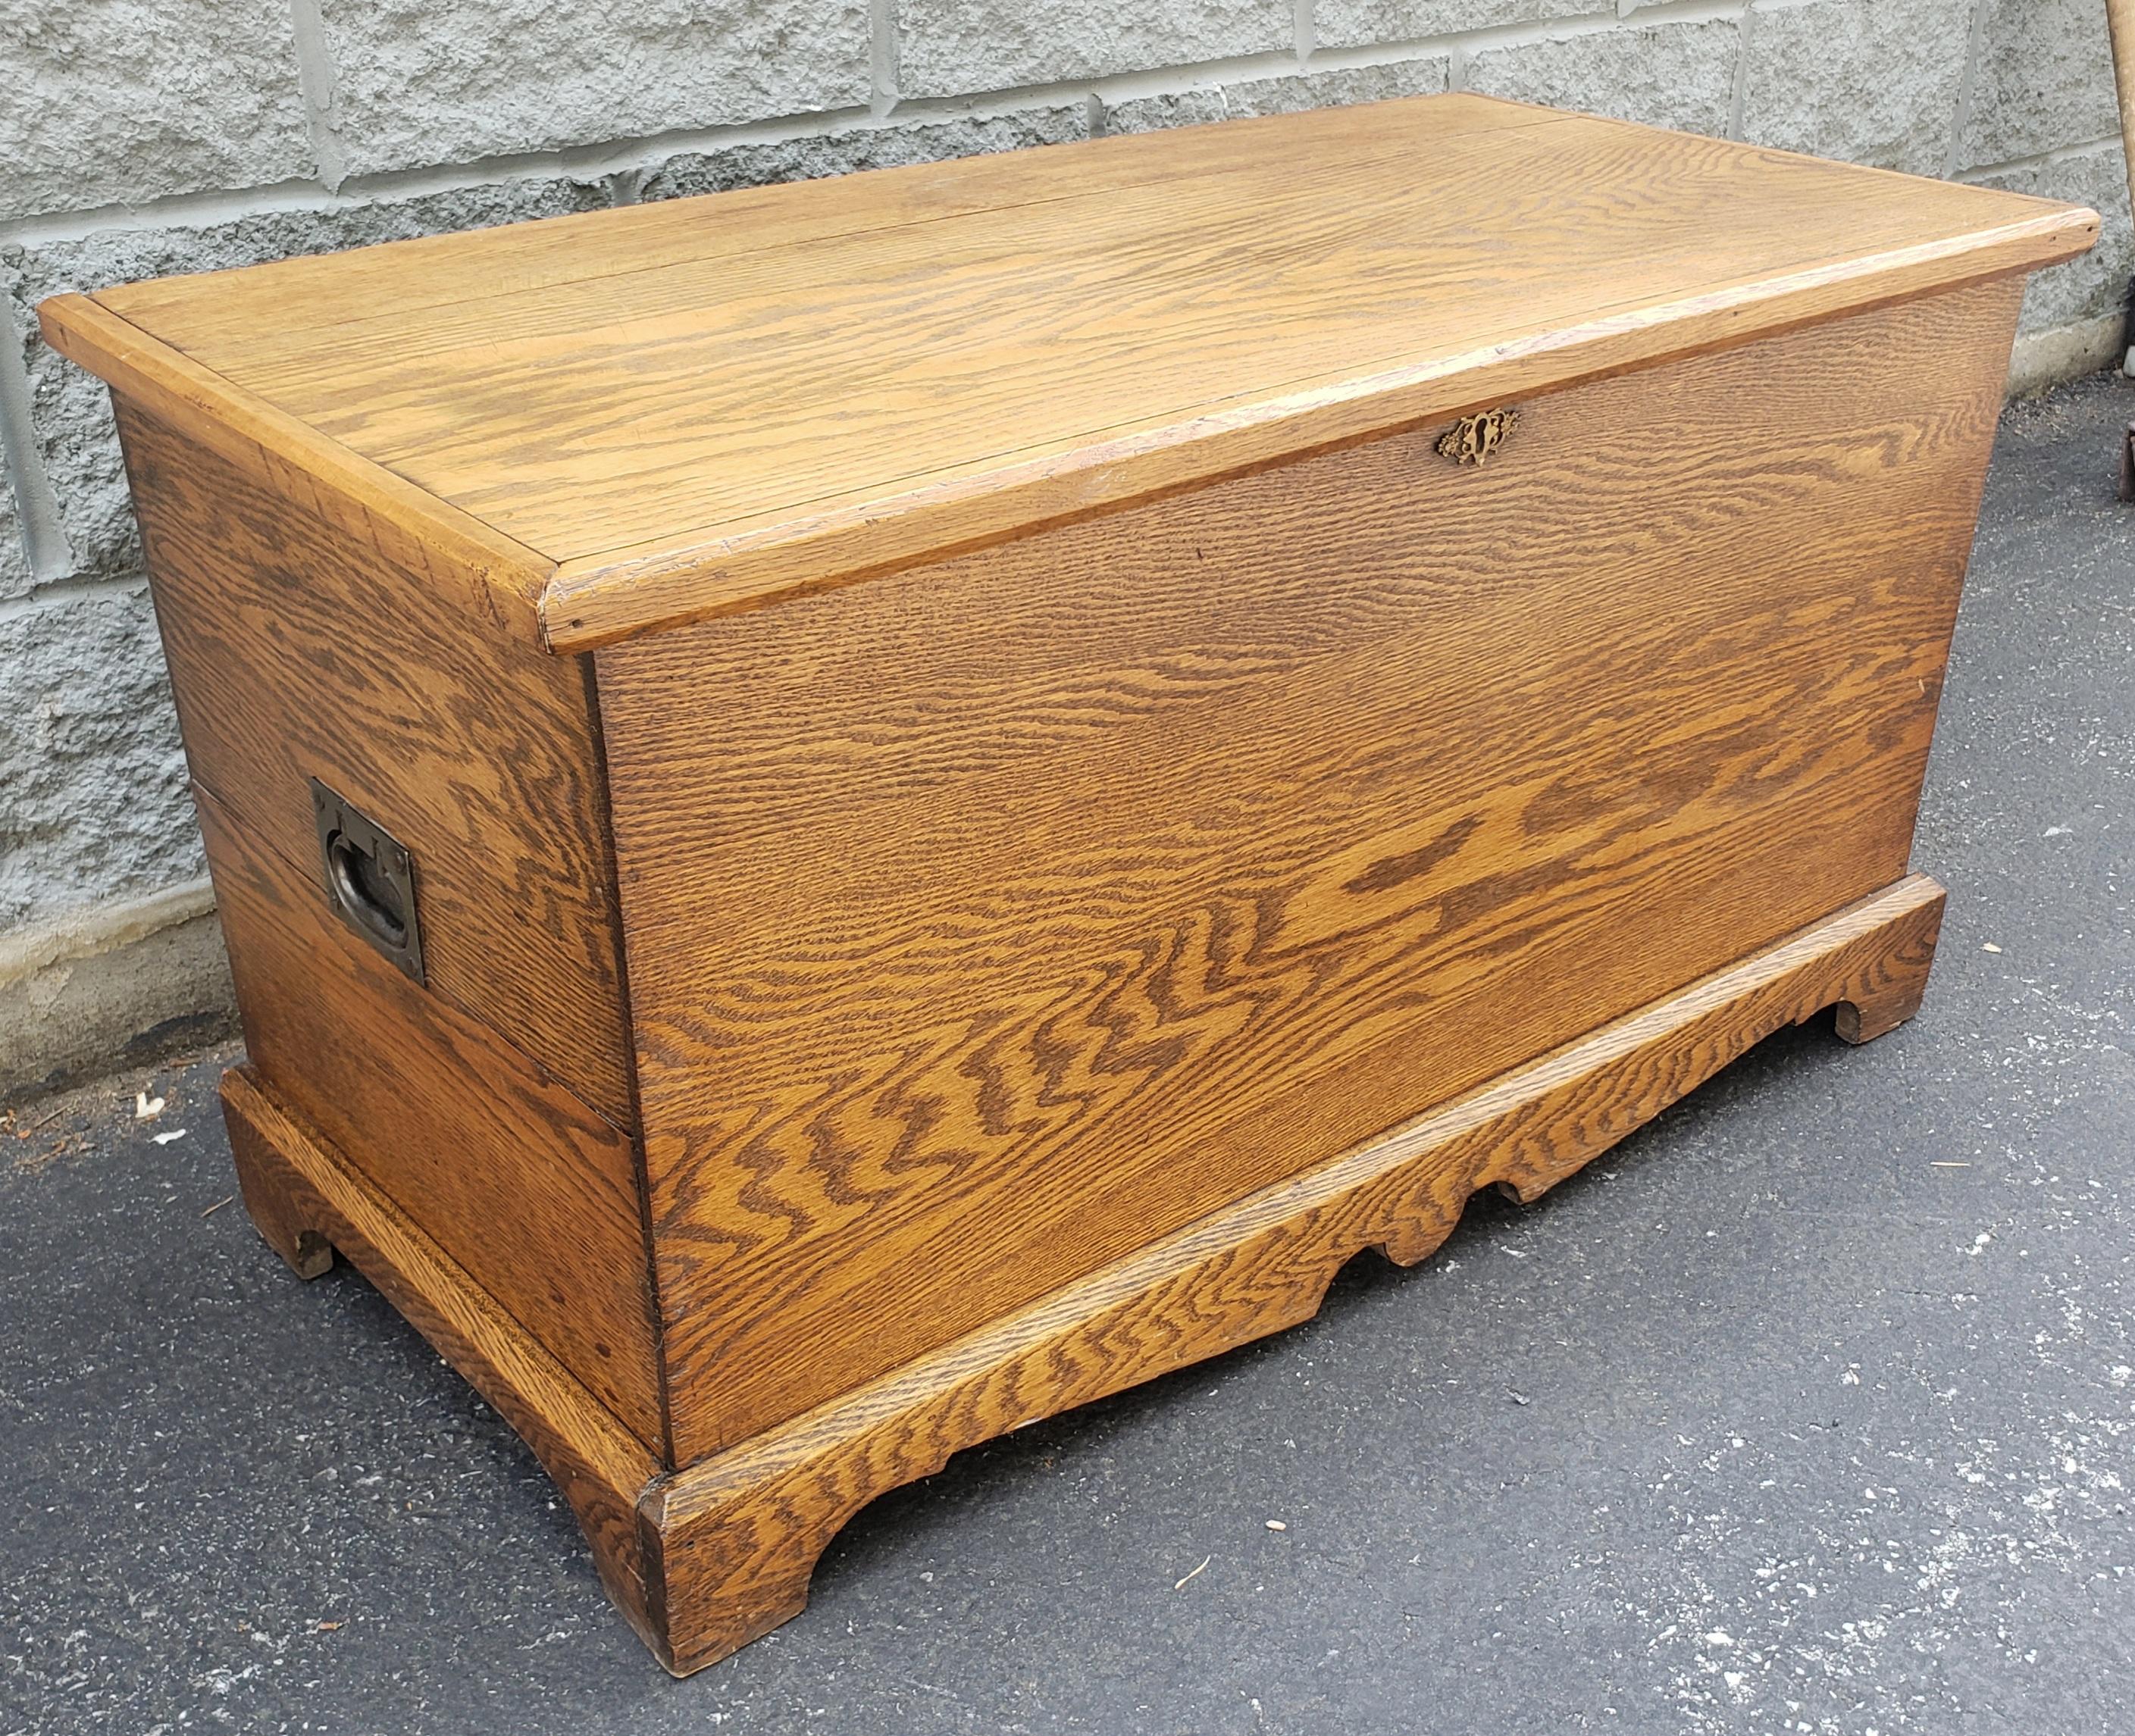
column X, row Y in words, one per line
column 530, row 1190
column 988, row 920
column 491, row 1103
column 297, row 650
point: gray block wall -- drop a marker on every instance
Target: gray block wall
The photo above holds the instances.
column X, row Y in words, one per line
column 144, row 136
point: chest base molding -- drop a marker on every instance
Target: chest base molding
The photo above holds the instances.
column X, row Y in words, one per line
column 705, row 1559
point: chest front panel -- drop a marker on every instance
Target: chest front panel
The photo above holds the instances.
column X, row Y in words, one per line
column 988, row 920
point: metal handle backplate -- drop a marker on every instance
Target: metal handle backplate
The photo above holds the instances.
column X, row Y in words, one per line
column 370, row 879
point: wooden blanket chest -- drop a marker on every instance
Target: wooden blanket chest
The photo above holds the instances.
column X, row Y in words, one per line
column 852, row 814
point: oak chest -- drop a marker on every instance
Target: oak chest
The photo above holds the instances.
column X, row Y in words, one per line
column 852, row 814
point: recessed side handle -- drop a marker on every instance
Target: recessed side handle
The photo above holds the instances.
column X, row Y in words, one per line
column 370, row 879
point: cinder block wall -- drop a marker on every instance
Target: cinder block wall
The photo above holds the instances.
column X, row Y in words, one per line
column 143, row 136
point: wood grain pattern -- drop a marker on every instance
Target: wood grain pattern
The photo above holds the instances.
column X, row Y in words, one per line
column 274, row 303
column 706, row 1559
column 1020, row 909
column 1221, row 834
column 747, row 562
column 522, row 1185
column 297, row 650
column 628, row 405
column 739, row 1535
column 364, row 500
column 301, row 1191
column 1002, row 346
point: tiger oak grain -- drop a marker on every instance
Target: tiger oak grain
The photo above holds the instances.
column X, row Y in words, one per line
column 520, row 1182
column 994, row 787
column 296, row 652
column 1126, row 869
column 1036, row 341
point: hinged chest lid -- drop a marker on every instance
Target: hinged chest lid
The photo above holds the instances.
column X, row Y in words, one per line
column 649, row 415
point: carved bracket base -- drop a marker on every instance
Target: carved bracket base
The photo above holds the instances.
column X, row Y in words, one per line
column 705, row 1559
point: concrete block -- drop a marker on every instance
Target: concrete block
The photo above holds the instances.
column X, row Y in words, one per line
column 1873, row 81
column 77, row 444
column 1673, row 75
column 2044, row 81
column 93, row 798
column 115, row 985
column 71, row 415
column 1337, row 89
column 118, row 101
column 1278, row 96
column 1170, row 108
column 1357, row 23
column 2095, row 286
column 14, row 550
column 2041, row 360
column 864, row 147
column 951, row 47
column 417, row 82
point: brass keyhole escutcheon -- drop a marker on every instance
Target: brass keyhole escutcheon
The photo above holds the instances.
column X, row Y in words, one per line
column 1472, row 439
